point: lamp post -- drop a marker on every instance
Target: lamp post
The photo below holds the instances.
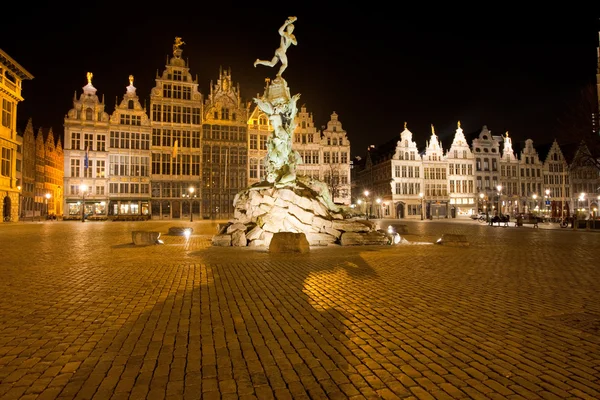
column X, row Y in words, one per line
column 535, row 201
column 20, row 205
column 366, row 193
column 191, row 190
column 548, row 203
column 499, row 187
column 83, row 188
column 483, row 205
column 378, row 201
column 48, row 195
column 421, row 197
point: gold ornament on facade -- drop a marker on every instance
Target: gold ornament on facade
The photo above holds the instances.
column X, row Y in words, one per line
column 89, row 78
column 178, row 43
column 131, row 80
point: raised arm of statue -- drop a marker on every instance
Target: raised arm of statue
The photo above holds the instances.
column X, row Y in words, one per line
column 287, row 39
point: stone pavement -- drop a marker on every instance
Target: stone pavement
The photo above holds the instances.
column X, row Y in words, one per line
column 84, row 314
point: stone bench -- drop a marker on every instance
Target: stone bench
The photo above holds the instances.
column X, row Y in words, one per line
column 145, row 237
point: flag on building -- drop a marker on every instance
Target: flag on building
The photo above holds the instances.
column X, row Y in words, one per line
column 86, row 158
column 175, row 146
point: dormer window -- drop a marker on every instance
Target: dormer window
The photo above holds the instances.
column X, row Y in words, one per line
column 130, row 104
column 88, row 114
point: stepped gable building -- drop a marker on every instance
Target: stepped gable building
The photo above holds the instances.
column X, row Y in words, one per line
column 325, row 154
column 224, row 147
column 307, row 141
column 176, row 118
column 259, row 130
column 51, row 193
column 335, row 147
column 461, row 182
column 11, row 77
column 86, row 131
column 556, row 180
column 29, row 207
column 435, row 179
column 128, row 165
column 509, row 178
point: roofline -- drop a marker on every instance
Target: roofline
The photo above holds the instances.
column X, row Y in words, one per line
column 15, row 66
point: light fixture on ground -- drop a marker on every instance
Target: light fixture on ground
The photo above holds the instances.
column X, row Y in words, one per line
column 535, row 201
column 421, row 197
column 83, row 187
column 548, row 202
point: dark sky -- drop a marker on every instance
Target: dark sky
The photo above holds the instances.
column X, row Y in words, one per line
column 375, row 67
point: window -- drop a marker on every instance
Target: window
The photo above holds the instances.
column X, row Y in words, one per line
column 100, row 169
column 6, row 158
column 7, row 113
column 100, row 142
column 75, row 168
column 76, row 141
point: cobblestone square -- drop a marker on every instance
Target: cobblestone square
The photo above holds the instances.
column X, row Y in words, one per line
column 85, row 314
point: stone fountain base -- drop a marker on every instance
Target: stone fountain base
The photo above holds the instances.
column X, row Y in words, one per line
column 265, row 209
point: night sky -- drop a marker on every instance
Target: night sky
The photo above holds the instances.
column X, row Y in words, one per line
column 376, row 68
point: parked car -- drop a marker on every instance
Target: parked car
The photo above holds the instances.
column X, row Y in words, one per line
column 478, row 216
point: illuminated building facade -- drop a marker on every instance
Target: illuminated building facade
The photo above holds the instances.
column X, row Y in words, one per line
column 128, row 169
column 11, row 77
column 175, row 148
column 224, row 148
column 86, row 156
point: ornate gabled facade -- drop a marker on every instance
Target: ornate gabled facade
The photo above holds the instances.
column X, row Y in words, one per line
column 531, row 168
column 53, row 176
column 406, row 199
column 556, row 180
column 224, row 147
column 28, row 172
column 487, row 172
column 176, row 118
column 259, row 130
column 11, row 77
column 86, row 132
column 461, row 166
column 585, row 183
column 335, row 147
column 128, row 163
column 435, row 179
column 308, row 143
column 509, row 178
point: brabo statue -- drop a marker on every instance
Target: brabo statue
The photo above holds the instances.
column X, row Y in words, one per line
column 287, row 39
column 280, row 108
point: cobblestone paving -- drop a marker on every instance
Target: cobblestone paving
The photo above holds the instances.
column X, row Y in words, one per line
column 84, row 314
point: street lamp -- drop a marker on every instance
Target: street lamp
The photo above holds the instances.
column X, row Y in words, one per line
column 20, row 205
column 378, row 201
column 366, row 193
column 191, row 190
column 421, row 197
column 548, row 202
column 535, row 200
column 499, row 187
column 83, row 187
column 48, row 195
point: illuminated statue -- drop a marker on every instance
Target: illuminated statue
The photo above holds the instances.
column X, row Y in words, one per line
column 131, row 80
column 178, row 43
column 89, row 77
column 287, row 39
